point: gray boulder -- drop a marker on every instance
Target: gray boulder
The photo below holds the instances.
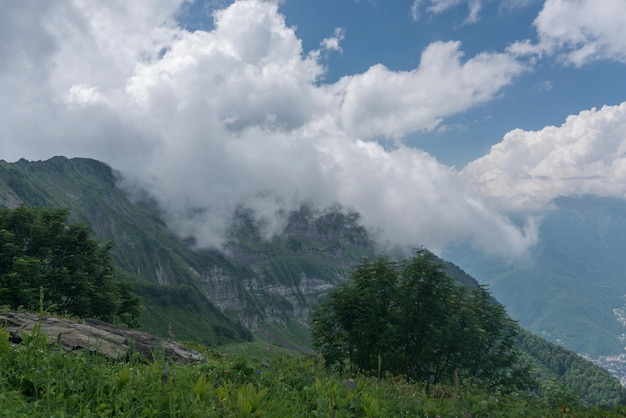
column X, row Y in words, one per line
column 97, row 336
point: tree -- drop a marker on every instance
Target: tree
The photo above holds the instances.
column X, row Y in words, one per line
column 39, row 249
column 411, row 318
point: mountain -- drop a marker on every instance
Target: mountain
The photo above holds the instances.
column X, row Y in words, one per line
column 571, row 290
column 255, row 288
column 262, row 286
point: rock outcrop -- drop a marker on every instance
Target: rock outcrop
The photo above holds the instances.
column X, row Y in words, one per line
column 96, row 336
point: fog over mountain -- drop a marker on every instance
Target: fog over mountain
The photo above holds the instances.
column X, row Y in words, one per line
column 240, row 115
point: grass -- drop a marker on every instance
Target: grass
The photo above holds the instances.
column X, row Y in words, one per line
column 241, row 380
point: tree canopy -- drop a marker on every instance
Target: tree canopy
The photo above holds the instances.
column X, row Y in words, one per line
column 40, row 250
column 410, row 318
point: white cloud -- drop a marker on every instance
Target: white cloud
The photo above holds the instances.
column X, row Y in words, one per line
column 516, row 4
column 579, row 31
column 211, row 120
column 439, row 6
column 333, row 43
column 586, row 154
column 474, row 8
column 587, row 29
column 81, row 95
column 412, row 199
column 388, row 103
column 415, row 10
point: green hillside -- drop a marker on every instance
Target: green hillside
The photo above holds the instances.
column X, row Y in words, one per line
column 199, row 295
column 257, row 289
column 244, row 380
column 570, row 288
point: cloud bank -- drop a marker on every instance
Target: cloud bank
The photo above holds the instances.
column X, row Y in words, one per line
column 585, row 155
column 579, row 32
column 585, row 29
column 209, row 121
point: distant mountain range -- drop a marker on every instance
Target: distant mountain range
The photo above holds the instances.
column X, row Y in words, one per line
column 569, row 292
column 255, row 286
column 264, row 289
column 572, row 289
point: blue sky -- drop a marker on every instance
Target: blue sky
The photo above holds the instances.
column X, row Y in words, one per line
column 438, row 120
column 390, row 33
column 385, row 32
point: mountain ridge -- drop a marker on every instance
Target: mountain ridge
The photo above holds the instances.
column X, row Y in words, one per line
column 259, row 288
column 574, row 287
column 275, row 284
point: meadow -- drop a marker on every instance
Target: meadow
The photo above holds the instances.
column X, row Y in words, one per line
column 38, row 379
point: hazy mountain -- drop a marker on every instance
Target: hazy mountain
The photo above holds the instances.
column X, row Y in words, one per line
column 569, row 292
column 265, row 287
column 572, row 288
column 259, row 285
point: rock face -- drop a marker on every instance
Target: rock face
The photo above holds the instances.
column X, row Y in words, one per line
column 97, row 336
column 257, row 280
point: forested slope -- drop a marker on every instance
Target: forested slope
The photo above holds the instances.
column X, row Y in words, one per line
column 261, row 287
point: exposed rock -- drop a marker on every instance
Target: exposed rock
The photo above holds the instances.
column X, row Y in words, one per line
column 97, row 336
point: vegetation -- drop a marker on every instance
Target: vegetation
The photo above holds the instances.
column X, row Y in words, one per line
column 145, row 252
column 167, row 310
column 39, row 251
column 315, row 251
column 223, row 289
column 410, row 318
column 245, row 381
column 568, row 292
column 556, row 366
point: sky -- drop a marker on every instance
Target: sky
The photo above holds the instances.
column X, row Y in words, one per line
column 439, row 121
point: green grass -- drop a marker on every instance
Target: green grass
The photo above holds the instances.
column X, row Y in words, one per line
column 190, row 317
column 245, row 380
column 294, row 335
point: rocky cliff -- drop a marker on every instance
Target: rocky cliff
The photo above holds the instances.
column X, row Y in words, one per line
column 257, row 283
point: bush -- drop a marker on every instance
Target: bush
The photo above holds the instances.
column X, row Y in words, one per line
column 39, row 249
column 410, row 318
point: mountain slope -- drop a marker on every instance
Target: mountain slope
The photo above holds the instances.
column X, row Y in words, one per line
column 257, row 285
column 205, row 295
column 570, row 291
column 144, row 251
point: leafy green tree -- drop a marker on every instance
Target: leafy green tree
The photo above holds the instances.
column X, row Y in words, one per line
column 411, row 318
column 39, row 249
column 561, row 373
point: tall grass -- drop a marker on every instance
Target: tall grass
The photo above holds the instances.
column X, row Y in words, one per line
column 41, row 380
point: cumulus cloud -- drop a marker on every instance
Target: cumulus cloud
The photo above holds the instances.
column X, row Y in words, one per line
column 586, row 154
column 388, row 103
column 210, row 121
column 587, row 29
column 333, row 43
column 579, row 31
column 406, row 188
column 63, row 73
